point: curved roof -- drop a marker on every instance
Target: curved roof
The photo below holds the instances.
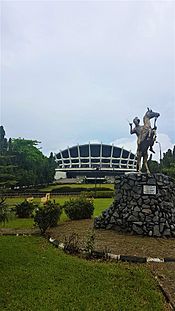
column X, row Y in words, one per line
column 90, row 156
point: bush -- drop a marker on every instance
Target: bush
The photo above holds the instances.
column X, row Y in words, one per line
column 24, row 209
column 47, row 216
column 71, row 244
column 103, row 194
column 79, row 208
column 90, row 242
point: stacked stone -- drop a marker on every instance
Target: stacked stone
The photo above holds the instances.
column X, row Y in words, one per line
column 139, row 213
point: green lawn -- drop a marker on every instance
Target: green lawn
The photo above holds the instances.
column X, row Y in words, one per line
column 17, row 223
column 34, row 276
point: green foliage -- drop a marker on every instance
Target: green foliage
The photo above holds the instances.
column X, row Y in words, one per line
column 23, row 164
column 3, row 211
column 51, row 166
column 170, row 171
column 71, row 244
column 24, row 209
column 154, row 166
column 168, row 158
column 79, row 208
column 90, row 242
column 99, row 194
column 168, row 163
column 14, row 222
column 33, row 167
column 7, row 167
column 3, row 140
column 103, row 194
column 47, row 216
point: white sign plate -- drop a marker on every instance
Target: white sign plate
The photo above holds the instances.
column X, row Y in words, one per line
column 149, row 189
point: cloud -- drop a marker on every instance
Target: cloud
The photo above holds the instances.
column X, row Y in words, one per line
column 77, row 71
column 126, row 143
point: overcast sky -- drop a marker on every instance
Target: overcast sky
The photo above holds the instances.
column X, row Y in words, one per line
column 76, row 71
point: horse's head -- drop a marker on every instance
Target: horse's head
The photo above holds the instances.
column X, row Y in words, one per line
column 151, row 114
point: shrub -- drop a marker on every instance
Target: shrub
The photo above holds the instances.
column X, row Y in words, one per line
column 71, row 244
column 24, row 209
column 47, row 216
column 103, row 194
column 90, row 242
column 99, row 194
column 79, row 208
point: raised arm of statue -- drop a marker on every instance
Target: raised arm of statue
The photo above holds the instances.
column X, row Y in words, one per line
column 131, row 129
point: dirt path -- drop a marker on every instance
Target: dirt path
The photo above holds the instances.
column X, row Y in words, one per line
column 117, row 243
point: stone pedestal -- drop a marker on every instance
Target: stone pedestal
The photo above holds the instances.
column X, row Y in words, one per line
column 143, row 204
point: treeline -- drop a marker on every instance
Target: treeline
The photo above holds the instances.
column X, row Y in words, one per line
column 23, row 164
column 166, row 165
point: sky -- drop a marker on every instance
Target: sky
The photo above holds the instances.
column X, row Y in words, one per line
column 78, row 71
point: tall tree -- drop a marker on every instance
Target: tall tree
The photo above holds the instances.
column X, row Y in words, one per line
column 33, row 167
column 168, row 162
column 7, row 168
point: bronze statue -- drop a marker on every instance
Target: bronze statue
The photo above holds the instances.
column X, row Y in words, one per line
column 146, row 136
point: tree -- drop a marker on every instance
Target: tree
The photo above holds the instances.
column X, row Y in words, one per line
column 167, row 158
column 170, row 171
column 33, row 167
column 51, row 167
column 22, row 163
column 3, row 211
column 168, row 163
column 7, row 168
column 3, row 141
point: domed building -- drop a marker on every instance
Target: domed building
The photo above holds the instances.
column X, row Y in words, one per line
column 94, row 161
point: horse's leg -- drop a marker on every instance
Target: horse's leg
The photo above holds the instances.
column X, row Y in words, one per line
column 138, row 162
column 145, row 161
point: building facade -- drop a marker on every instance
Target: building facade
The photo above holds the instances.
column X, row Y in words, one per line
column 94, row 160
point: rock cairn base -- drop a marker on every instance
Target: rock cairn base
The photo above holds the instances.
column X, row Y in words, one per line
column 136, row 210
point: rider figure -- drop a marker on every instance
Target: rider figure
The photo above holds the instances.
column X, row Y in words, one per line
column 137, row 130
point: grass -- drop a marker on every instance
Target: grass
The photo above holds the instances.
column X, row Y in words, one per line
column 18, row 223
column 35, row 276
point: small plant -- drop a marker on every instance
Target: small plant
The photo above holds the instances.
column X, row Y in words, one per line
column 3, row 211
column 79, row 208
column 90, row 242
column 72, row 244
column 24, row 209
column 47, row 216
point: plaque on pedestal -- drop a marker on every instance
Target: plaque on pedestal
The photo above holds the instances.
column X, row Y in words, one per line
column 148, row 189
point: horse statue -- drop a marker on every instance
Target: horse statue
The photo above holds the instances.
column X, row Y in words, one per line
column 146, row 136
